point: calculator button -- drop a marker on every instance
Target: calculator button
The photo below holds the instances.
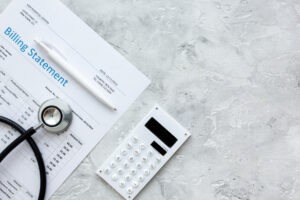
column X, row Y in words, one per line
column 120, row 171
column 112, row 165
column 122, row 184
column 125, row 165
column 142, row 147
column 144, row 159
column 146, row 172
column 133, row 172
column 131, row 158
column 158, row 159
column 127, row 178
column 124, row 152
column 150, row 153
column 134, row 140
column 141, row 179
column 114, row 177
column 136, row 152
column 135, row 184
column 129, row 190
column 139, row 166
column 152, row 166
column 107, row 171
column 129, row 146
column 118, row 158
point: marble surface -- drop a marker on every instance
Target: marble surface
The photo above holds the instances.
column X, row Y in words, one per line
column 229, row 71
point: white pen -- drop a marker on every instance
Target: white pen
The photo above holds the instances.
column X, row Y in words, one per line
column 62, row 62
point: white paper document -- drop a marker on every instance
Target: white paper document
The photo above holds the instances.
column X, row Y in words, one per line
column 28, row 78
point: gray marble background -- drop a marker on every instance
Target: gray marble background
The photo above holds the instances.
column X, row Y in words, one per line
column 229, row 71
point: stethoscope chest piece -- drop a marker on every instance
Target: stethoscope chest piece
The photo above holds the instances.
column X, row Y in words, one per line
column 55, row 115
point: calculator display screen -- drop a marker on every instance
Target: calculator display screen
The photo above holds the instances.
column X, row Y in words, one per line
column 158, row 148
column 161, row 132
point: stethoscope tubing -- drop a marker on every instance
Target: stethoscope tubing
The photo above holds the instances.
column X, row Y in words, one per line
column 16, row 142
column 26, row 135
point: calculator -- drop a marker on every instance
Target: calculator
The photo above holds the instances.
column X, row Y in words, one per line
column 143, row 153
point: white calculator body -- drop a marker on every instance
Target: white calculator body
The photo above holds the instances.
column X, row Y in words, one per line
column 150, row 145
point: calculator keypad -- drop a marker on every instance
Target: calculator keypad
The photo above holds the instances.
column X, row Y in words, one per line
column 130, row 168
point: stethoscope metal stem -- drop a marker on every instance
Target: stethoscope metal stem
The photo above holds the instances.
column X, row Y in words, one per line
column 38, row 126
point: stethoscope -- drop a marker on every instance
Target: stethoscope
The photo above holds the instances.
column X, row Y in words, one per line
column 55, row 116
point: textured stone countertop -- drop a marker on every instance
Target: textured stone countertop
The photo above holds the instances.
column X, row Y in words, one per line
column 229, row 71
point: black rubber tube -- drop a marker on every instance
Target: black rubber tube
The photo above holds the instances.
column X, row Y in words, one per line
column 16, row 142
column 35, row 149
